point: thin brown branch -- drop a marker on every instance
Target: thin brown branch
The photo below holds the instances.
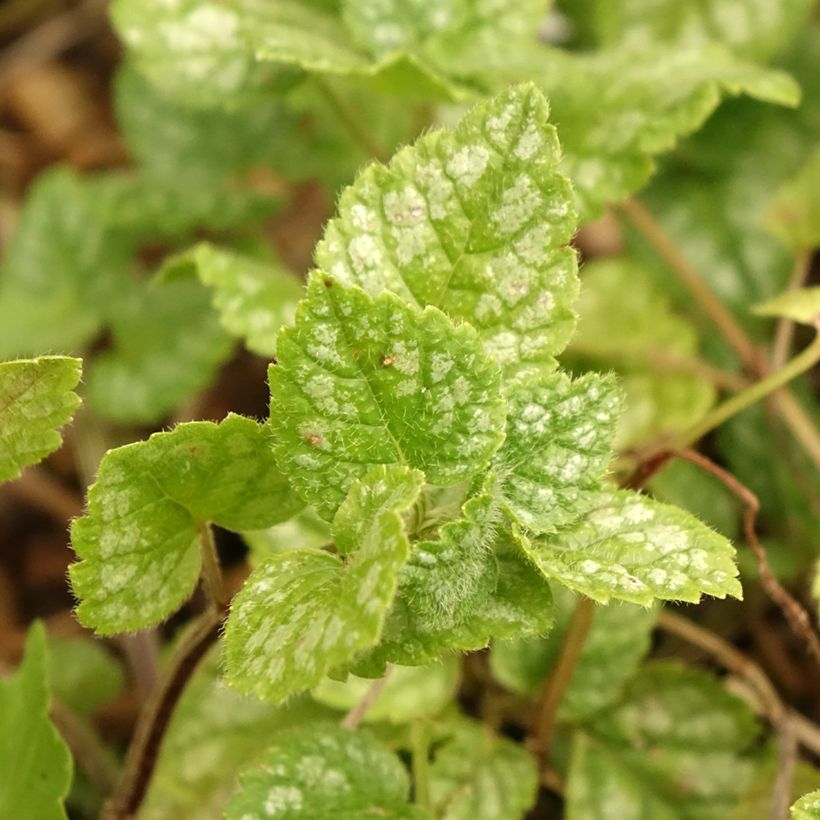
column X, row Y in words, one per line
column 156, row 715
column 355, row 716
column 544, row 720
column 43, row 492
column 786, row 763
column 669, row 251
column 767, row 700
column 796, row 616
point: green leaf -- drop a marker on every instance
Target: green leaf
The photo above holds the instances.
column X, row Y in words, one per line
column 138, row 542
column 676, row 747
column 753, row 29
column 36, row 399
column 84, row 675
column 794, row 215
column 35, row 762
column 303, row 612
column 60, row 268
column 474, row 221
column 802, row 305
column 214, row 732
column 618, row 640
column 167, row 346
column 629, row 547
column 807, row 807
column 324, row 771
column 411, row 692
column 620, row 108
column 476, row 775
column 757, row 800
column 520, row 604
column 254, row 298
column 362, row 382
column 305, row 529
column 558, row 446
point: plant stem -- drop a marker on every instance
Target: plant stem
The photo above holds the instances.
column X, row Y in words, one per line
column 211, row 572
column 731, row 407
column 785, row 327
column 420, row 749
column 668, row 250
column 155, row 717
column 543, row 724
column 786, row 763
column 354, row 717
column 350, row 119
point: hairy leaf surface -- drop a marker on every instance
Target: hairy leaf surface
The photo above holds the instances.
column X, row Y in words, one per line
column 138, row 542
column 36, row 399
column 35, row 762
column 676, row 747
column 474, row 221
column 628, row 547
column 807, row 807
column 362, row 382
column 304, row 612
column 325, row 771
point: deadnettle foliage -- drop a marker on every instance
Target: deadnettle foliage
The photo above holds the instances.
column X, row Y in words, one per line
column 446, row 400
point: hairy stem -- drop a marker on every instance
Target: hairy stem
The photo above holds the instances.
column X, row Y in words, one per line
column 751, row 395
column 211, row 571
column 543, row 724
column 156, row 715
column 351, row 120
column 355, row 716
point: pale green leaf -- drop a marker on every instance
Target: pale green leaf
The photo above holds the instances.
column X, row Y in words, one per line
column 619, row 108
column 303, row 612
column 167, row 346
column 476, row 775
column 520, row 604
column 807, row 807
column 325, row 772
column 138, row 542
column 676, row 747
column 801, row 305
column 653, row 348
column 410, row 692
column 362, row 382
column 754, row 28
column 628, row 547
column 618, row 640
column 474, row 221
column 255, row 298
column 214, row 732
column 36, row 399
column 84, row 674
column 35, row 763
column 794, row 215
column 558, row 446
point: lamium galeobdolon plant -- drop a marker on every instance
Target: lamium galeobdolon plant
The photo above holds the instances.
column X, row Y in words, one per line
column 430, row 481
